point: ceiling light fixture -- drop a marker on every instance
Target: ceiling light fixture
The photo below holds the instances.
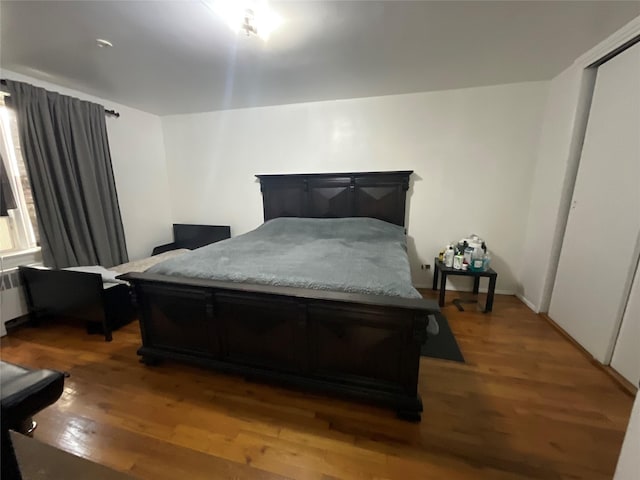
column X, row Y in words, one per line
column 102, row 43
column 253, row 17
column 249, row 23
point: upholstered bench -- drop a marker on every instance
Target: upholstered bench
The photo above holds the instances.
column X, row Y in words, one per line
column 23, row 393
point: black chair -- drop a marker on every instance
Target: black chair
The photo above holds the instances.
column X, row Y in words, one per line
column 24, row 392
column 191, row 236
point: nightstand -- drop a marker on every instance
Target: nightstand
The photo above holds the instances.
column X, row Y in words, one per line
column 440, row 268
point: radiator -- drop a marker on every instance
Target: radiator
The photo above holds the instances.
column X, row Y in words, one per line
column 12, row 300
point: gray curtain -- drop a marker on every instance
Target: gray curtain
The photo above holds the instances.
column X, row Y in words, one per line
column 66, row 151
column 7, row 200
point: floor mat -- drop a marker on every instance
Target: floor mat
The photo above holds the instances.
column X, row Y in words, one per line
column 443, row 345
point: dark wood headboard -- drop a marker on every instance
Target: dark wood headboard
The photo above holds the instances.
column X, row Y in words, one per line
column 379, row 195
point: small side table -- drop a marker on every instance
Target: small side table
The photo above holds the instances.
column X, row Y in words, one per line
column 439, row 267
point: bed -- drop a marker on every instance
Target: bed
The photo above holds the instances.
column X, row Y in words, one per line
column 361, row 341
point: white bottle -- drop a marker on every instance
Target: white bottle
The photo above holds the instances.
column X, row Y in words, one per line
column 448, row 257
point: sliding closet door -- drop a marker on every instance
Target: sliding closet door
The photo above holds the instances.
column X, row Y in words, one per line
column 626, row 353
column 597, row 259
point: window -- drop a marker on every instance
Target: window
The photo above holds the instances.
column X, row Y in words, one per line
column 18, row 230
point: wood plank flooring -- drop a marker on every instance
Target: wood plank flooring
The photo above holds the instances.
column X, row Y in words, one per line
column 527, row 404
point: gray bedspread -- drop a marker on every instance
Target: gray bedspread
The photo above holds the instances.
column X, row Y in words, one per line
column 358, row 255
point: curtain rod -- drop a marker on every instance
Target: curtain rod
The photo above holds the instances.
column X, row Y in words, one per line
column 111, row 113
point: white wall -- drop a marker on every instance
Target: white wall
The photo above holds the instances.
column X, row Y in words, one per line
column 552, row 185
column 137, row 154
column 472, row 150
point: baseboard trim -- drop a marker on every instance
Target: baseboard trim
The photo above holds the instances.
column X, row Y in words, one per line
column 528, row 303
column 619, row 380
column 624, row 383
column 424, row 286
column 16, row 323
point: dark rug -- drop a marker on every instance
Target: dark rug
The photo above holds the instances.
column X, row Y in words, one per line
column 444, row 344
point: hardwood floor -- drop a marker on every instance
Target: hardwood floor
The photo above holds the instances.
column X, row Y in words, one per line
column 527, row 404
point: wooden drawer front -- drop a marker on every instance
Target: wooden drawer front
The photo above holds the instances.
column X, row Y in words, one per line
column 357, row 347
column 259, row 332
column 181, row 319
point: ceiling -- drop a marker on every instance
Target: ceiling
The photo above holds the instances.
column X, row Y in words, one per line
column 179, row 57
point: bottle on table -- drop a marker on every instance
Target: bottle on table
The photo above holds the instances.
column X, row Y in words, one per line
column 448, row 256
column 486, row 263
column 477, row 260
column 468, row 251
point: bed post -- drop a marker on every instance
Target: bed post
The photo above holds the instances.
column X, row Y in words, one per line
column 413, row 410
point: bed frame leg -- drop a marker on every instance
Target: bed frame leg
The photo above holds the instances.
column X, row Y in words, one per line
column 34, row 319
column 411, row 410
column 150, row 361
column 409, row 415
column 95, row 328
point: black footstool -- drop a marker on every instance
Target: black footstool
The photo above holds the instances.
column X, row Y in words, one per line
column 23, row 393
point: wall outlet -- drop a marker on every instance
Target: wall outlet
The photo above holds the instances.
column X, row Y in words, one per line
column 425, row 266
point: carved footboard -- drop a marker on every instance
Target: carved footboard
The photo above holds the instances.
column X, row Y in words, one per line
column 363, row 346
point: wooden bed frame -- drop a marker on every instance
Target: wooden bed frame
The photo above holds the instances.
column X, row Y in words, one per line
column 363, row 346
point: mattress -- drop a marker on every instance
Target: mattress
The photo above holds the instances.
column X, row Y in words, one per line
column 355, row 255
